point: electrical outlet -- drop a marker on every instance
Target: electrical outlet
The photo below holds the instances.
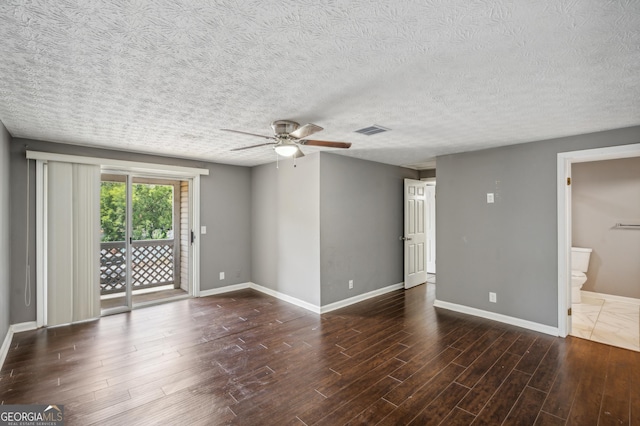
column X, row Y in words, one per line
column 492, row 297
column 221, row 276
column 350, row 284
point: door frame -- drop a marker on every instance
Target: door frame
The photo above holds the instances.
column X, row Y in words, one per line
column 140, row 169
column 430, row 212
column 564, row 162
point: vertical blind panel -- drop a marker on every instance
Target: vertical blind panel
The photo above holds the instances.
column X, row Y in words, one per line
column 86, row 247
column 73, row 242
column 59, row 244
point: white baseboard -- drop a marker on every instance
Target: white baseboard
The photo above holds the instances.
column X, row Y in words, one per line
column 285, row 297
column 497, row 317
column 24, row 326
column 610, row 297
column 298, row 302
column 4, row 350
column 15, row 328
column 235, row 287
column 360, row 298
column 227, row 289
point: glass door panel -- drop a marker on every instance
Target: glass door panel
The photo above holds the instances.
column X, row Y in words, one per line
column 154, row 251
column 113, row 245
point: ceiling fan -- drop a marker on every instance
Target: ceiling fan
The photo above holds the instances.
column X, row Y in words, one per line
column 288, row 135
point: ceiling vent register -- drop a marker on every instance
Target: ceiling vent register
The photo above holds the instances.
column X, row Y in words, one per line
column 372, row 130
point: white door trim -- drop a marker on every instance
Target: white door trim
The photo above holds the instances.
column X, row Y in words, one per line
column 137, row 167
column 564, row 161
column 194, row 211
column 430, row 222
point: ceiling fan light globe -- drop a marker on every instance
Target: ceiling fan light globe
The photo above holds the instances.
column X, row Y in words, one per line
column 286, row 150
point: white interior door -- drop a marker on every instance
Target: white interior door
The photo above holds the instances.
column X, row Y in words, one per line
column 430, row 211
column 415, row 234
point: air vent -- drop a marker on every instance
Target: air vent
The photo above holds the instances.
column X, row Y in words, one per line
column 372, row 130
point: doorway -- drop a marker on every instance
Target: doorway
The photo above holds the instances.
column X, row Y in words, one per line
column 63, row 296
column 145, row 241
column 415, row 233
column 605, row 220
column 564, row 162
column 419, row 232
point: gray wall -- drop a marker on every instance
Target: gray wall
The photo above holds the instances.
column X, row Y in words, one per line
column 361, row 218
column 285, row 228
column 324, row 222
column 299, row 229
column 264, row 223
column 225, row 209
column 5, row 258
column 605, row 193
column 509, row 247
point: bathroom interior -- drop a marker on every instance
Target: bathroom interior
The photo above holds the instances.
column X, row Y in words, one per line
column 605, row 255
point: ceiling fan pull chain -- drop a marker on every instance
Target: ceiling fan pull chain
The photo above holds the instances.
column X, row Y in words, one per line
column 277, row 161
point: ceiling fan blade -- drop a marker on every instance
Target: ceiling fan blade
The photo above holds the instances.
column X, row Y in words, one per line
column 328, row 144
column 304, row 131
column 253, row 146
column 298, row 154
column 250, row 134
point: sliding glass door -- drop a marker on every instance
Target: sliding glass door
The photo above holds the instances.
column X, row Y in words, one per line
column 141, row 242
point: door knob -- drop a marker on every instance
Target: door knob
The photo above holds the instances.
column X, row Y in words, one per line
column 405, row 238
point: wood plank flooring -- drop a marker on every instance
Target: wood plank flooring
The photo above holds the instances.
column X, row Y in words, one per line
column 248, row 359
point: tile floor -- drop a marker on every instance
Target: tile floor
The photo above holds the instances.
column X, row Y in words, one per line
column 610, row 322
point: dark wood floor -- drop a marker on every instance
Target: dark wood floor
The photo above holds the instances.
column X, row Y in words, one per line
column 249, row 359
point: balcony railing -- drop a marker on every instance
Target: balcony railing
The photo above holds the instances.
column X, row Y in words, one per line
column 151, row 266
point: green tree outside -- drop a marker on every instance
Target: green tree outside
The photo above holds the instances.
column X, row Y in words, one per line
column 152, row 211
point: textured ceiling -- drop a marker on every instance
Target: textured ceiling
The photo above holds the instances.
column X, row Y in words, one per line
column 445, row 76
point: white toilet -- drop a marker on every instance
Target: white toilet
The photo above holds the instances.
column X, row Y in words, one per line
column 579, row 265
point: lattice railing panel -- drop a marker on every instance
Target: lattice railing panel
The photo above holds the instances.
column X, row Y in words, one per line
column 152, row 265
column 112, row 267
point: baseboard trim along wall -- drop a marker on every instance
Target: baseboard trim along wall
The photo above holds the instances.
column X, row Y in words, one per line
column 4, row 350
column 497, row 317
column 610, row 297
column 15, row 328
column 227, row 289
column 286, row 298
column 360, row 298
column 306, row 305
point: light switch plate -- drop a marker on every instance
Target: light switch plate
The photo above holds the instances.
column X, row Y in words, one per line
column 203, row 230
column 489, row 197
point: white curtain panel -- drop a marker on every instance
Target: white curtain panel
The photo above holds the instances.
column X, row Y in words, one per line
column 73, row 242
